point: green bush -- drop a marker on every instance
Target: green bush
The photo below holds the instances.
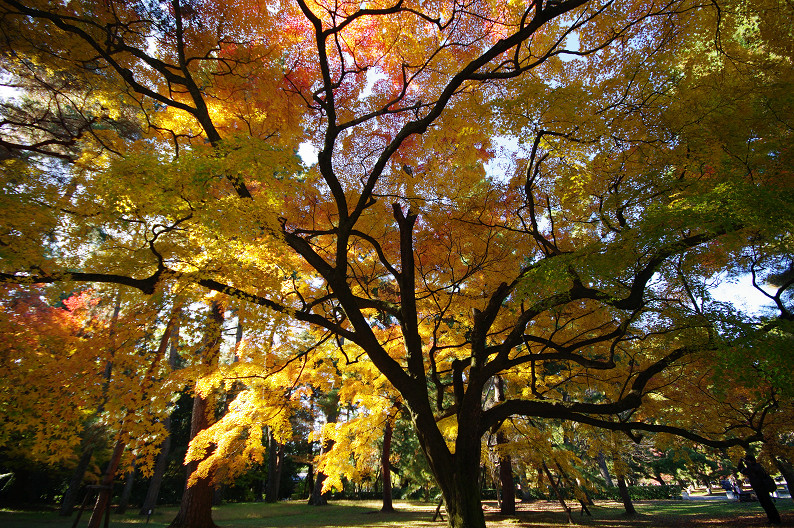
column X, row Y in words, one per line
column 635, row 492
column 640, row 493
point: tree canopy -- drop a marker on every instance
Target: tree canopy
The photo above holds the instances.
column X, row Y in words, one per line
column 538, row 191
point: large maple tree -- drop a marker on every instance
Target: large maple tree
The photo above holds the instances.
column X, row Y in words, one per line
column 535, row 190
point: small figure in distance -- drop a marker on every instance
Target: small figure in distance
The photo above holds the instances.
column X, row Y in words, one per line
column 737, row 487
column 759, row 479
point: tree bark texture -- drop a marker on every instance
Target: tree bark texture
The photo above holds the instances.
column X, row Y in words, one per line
column 462, row 499
column 508, row 506
column 318, row 498
column 457, row 475
column 195, row 508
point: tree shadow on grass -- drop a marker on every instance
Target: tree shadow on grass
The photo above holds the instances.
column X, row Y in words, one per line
column 653, row 514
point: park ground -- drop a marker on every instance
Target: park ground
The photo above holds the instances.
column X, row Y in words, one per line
column 360, row 514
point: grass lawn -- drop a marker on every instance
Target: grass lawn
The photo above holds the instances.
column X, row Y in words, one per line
column 539, row 514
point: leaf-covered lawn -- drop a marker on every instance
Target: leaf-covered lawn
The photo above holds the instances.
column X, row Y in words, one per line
column 651, row 514
column 540, row 514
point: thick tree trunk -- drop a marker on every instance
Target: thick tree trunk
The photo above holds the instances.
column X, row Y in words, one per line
column 462, row 501
column 318, row 498
column 457, row 472
column 457, row 475
column 195, row 508
column 385, row 467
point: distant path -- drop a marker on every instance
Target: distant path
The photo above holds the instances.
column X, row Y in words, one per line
column 724, row 497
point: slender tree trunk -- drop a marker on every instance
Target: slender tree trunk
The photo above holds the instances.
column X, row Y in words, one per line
column 604, row 469
column 385, row 467
column 153, row 491
column 195, row 508
column 106, row 489
column 526, row 495
column 106, row 485
column 587, row 501
column 260, row 490
column 624, row 495
column 226, row 398
column 308, row 483
column 330, row 408
column 508, row 502
column 275, row 453
column 88, row 442
column 557, row 492
column 124, row 499
column 707, row 482
column 70, row 496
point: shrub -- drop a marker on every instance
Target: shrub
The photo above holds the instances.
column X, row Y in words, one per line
column 640, row 493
